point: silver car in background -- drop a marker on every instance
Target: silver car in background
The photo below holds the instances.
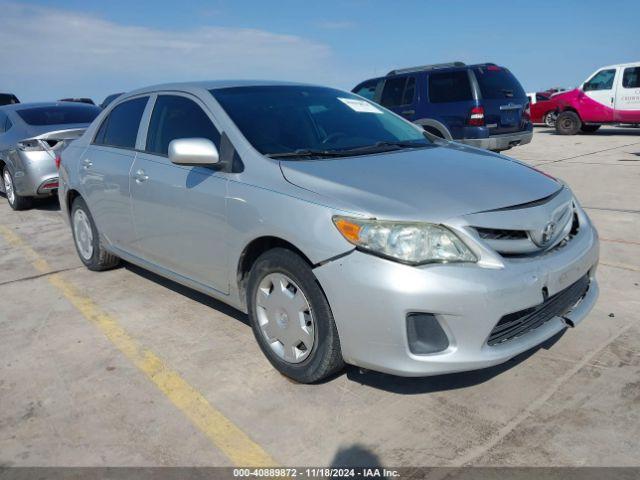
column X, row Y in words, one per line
column 345, row 233
column 31, row 136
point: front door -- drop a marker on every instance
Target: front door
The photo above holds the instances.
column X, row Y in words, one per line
column 180, row 211
column 598, row 101
column 399, row 95
column 628, row 96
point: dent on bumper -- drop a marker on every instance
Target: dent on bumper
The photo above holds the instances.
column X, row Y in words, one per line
column 370, row 298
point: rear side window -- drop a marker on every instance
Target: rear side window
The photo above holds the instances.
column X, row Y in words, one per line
column 450, row 87
column 59, row 114
column 398, row 91
column 367, row 89
column 631, row 77
column 120, row 128
column 603, row 80
column 178, row 117
column 497, row 83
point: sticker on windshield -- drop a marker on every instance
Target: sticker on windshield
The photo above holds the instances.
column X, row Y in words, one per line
column 359, row 105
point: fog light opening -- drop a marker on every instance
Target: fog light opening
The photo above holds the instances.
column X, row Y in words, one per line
column 425, row 335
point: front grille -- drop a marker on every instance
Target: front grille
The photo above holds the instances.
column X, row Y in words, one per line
column 497, row 234
column 519, row 323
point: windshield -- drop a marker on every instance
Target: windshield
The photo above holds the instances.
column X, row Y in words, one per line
column 59, row 115
column 280, row 120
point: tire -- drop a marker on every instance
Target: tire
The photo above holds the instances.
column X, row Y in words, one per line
column 15, row 201
column 549, row 119
column 589, row 128
column 87, row 239
column 568, row 123
column 276, row 312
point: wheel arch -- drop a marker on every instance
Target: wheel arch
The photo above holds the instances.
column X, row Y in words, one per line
column 430, row 124
column 72, row 194
column 253, row 250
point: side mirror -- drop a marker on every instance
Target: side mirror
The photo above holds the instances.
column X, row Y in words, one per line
column 193, row 151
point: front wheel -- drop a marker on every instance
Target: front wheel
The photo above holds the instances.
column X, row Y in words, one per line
column 291, row 318
column 16, row 202
column 568, row 123
column 589, row 128
column 87, row 239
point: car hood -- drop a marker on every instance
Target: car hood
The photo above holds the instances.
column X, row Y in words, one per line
column 431, row 184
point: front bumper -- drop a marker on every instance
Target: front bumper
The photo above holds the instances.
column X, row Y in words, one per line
column 370, row 298
column 500, row 142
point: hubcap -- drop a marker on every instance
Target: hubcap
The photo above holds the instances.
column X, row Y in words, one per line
column 8, row 187
column 83, row 234
column 285, row 318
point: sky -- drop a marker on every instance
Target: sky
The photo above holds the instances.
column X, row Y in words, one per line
column 55, row 49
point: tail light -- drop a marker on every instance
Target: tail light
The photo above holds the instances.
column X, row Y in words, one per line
column 476, row 117
column 58, row 160
column 526, row 113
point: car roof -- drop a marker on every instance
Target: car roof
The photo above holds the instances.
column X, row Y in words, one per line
column 22, row 106
column 630, row 64
column 212, row 85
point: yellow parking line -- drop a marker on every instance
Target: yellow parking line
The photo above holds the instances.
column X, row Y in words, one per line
column 224, row 434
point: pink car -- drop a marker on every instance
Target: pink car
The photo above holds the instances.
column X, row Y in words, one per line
column 610, row 96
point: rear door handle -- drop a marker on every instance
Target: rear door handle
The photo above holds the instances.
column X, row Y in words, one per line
column 86, row 163
column 140, row 176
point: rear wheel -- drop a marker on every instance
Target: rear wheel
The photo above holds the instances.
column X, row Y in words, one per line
column 550, row 119
column 589, row 128
column 87, row 239
column 568, row 123
column 291, row 318
column 16, row 202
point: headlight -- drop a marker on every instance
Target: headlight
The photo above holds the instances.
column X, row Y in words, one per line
column 408, row 242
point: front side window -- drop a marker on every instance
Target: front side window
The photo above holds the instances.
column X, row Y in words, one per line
column 450, row 87
column 294, row 119
column 8, row 99
column 59, row 114
column 398, row 91
column 120, row 128
column 603, row 80
column 367, row 89
column 631, row 77
column 178, row 117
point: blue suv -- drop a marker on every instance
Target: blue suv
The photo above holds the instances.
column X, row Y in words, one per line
column 482, row 105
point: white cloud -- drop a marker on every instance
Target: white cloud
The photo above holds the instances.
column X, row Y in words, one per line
column 49, row 53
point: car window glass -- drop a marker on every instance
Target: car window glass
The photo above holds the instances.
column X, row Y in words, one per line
column 120, row 128
column 631, row 77
column 541, row 98
column 603, row 80
column 367, row 89
column 8, row 124
column 393, row 92
column 178, row 117
column 449, row 87
column 59, row 114
column 409, row 91
column 3, row 121
column 497, row 83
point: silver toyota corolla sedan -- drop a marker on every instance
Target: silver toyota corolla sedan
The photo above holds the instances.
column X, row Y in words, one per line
column 31, row 136
column 344, row 232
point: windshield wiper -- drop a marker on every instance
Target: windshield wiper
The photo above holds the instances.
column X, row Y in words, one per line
column 385, row 146
column 306, row 153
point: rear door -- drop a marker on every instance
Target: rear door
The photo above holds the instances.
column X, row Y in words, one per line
column 399, row 94
column 180, row 211
column 502, row 98
column 627, row 103
column 450, row 100
column 104, row 171
column 599, row 90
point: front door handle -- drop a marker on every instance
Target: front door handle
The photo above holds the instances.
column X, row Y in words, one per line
column 408, row 112
column 140, row 176
column 86, row 163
